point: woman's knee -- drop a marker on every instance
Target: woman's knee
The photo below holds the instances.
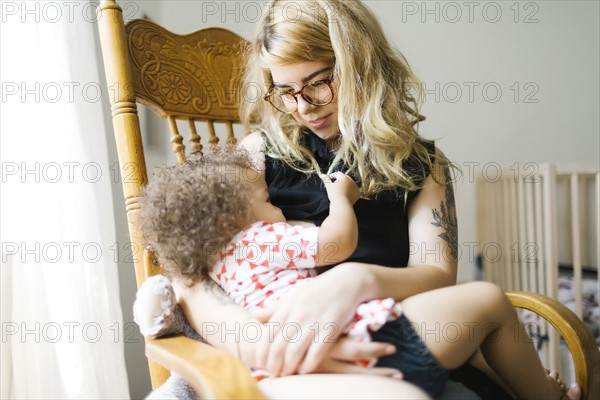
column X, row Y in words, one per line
column 489, row 296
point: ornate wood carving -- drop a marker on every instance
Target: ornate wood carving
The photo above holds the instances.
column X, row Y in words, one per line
column 191, row 76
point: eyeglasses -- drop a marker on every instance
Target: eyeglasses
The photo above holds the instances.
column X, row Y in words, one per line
column 318, row 93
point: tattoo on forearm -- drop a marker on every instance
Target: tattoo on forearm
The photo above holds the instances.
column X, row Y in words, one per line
column 215, row 290
column 445, row 218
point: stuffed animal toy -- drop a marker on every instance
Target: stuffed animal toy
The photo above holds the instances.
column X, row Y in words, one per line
column 156, row 311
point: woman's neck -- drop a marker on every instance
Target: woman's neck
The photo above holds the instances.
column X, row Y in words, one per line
column 333, row 143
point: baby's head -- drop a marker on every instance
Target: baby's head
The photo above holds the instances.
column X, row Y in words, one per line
column 191, row 210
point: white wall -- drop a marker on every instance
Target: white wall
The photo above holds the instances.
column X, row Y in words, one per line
column 543, row 56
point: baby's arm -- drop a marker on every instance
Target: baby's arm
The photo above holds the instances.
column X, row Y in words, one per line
column 338, row 235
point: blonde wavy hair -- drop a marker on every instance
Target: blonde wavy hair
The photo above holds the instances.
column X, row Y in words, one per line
column 378, row 95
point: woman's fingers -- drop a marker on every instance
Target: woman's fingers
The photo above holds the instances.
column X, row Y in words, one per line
column 263, row 347
column 292, row 340
column 275, row 357
column 295, row 352
column 301, row 335
column 344, row 350
column 324, row 340
column 351, row 350
column 263, row 314
column 292, row 350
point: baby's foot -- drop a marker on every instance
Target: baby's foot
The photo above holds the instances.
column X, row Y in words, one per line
column 573, row 393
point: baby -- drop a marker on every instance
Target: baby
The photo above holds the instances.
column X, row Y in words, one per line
column 211, row 217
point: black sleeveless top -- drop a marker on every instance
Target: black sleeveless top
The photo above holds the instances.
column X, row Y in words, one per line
column 382, row 220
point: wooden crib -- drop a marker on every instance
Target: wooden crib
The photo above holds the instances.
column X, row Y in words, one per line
column 538, row 228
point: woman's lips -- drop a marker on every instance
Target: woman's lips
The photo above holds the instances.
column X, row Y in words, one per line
column 319, row 123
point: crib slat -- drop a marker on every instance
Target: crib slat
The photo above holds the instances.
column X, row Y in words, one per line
column 491, row 201
column 492, row 266
column 522, row 238
column 550, row 231
column 484, row 226
column 506, row 260
column 540, row 257
column 531, row 267
column 551, row 256
column 540, row 235
column 576, row 242
column 584, row 219
column 482, row 223
column 490, row 229
column 598, row 230
column 501, row 266
column 513, row 220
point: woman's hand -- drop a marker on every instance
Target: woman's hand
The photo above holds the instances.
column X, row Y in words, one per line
column 341, row 358
column 309, row 320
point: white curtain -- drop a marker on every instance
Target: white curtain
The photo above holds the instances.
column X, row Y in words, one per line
column 61, row 316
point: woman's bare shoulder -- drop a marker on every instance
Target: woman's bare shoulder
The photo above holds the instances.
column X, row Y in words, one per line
column 254, row 144
column 252, row 141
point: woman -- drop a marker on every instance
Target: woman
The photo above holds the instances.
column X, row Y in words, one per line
column 338, row 99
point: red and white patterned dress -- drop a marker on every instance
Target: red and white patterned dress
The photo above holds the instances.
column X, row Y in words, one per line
column 263, row 262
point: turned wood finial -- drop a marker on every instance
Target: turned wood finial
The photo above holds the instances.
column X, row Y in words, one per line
column 108, row 5
column 194, row 137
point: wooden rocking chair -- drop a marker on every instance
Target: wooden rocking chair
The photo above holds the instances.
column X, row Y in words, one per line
column 196, row 79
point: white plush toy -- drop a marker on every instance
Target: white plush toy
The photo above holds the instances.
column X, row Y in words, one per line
column 156, row 311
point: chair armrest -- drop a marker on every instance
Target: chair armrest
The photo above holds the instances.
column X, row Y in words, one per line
column 580, row 341
column 214, row 373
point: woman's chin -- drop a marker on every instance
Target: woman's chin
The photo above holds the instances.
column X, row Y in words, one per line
column 326, row 133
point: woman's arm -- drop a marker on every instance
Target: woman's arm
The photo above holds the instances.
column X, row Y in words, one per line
column 432, row 227
column 213, row 314
column 220, row 322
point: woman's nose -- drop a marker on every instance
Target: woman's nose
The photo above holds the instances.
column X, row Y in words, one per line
column 304, row 107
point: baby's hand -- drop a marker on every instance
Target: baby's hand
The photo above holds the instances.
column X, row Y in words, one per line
column 340, row 185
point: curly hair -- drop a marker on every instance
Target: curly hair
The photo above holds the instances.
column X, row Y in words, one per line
column 190, row 211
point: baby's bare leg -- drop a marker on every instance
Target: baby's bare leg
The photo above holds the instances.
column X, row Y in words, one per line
column 454, row 322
